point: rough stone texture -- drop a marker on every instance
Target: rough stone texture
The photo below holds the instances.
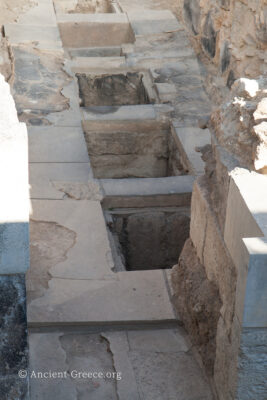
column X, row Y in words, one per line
column 112, row 90
column 139, row 149
column 154, row 364
column 151, row 239
column 91, row 6
column 13, row 337
column 38, row 83
column 234, row 45
column 253, row 365
column 199, row 306
column 240, row 124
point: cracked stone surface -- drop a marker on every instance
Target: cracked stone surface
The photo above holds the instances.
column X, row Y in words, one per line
column 49, row 246
column 72, row 280
column 154, row 364
column 38, row 82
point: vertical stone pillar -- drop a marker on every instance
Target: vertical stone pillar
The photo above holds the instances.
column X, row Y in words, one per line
column 246, row 239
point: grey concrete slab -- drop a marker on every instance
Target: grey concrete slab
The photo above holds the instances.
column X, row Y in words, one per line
column 46, row 179
column 135, row 297
column 57, row 144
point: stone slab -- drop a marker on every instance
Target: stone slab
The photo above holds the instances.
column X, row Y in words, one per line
column 109, row 352
column 41, row 13
column 135, row 297
column 119, row 347
column 147, row 192
column 70, row 354
column 110, row 113
column 159, row 341
column 45, row 178
column 57, row 144
column 87, row 64
column 111, row 51
column 43, row 39
column 188, row 139
column 149, row 22
column 77, row 236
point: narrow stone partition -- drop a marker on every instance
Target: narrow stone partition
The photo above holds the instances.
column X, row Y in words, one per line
column 131, row 149
column 147, row 238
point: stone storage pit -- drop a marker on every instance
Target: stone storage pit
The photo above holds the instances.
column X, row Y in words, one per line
column 92, row 6
column 94, row 30
column 132, row 149
column 148, row 238
column 112, row 90
column 83, row 6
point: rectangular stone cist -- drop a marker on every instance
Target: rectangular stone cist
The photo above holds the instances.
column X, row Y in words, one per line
column 131, row 149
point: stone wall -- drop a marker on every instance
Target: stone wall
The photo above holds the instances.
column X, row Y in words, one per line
column 218, row 268
column 231, row 33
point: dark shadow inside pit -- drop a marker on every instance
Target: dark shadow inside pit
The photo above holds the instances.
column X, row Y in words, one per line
column 148, row 239
column 112, row 90
column 132, row 149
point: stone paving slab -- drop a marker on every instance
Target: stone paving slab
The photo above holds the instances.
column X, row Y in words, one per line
column 42, row 13
column 146, row 365
column 45, row 178
column 153, row 21
column 97, row 64
column 57, row 144
column 147, row 192
column 77, row 234
column 135, row 297
column 44, row 39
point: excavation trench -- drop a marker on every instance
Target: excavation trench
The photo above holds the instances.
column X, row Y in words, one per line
column 132, row 149
column 149, row 238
